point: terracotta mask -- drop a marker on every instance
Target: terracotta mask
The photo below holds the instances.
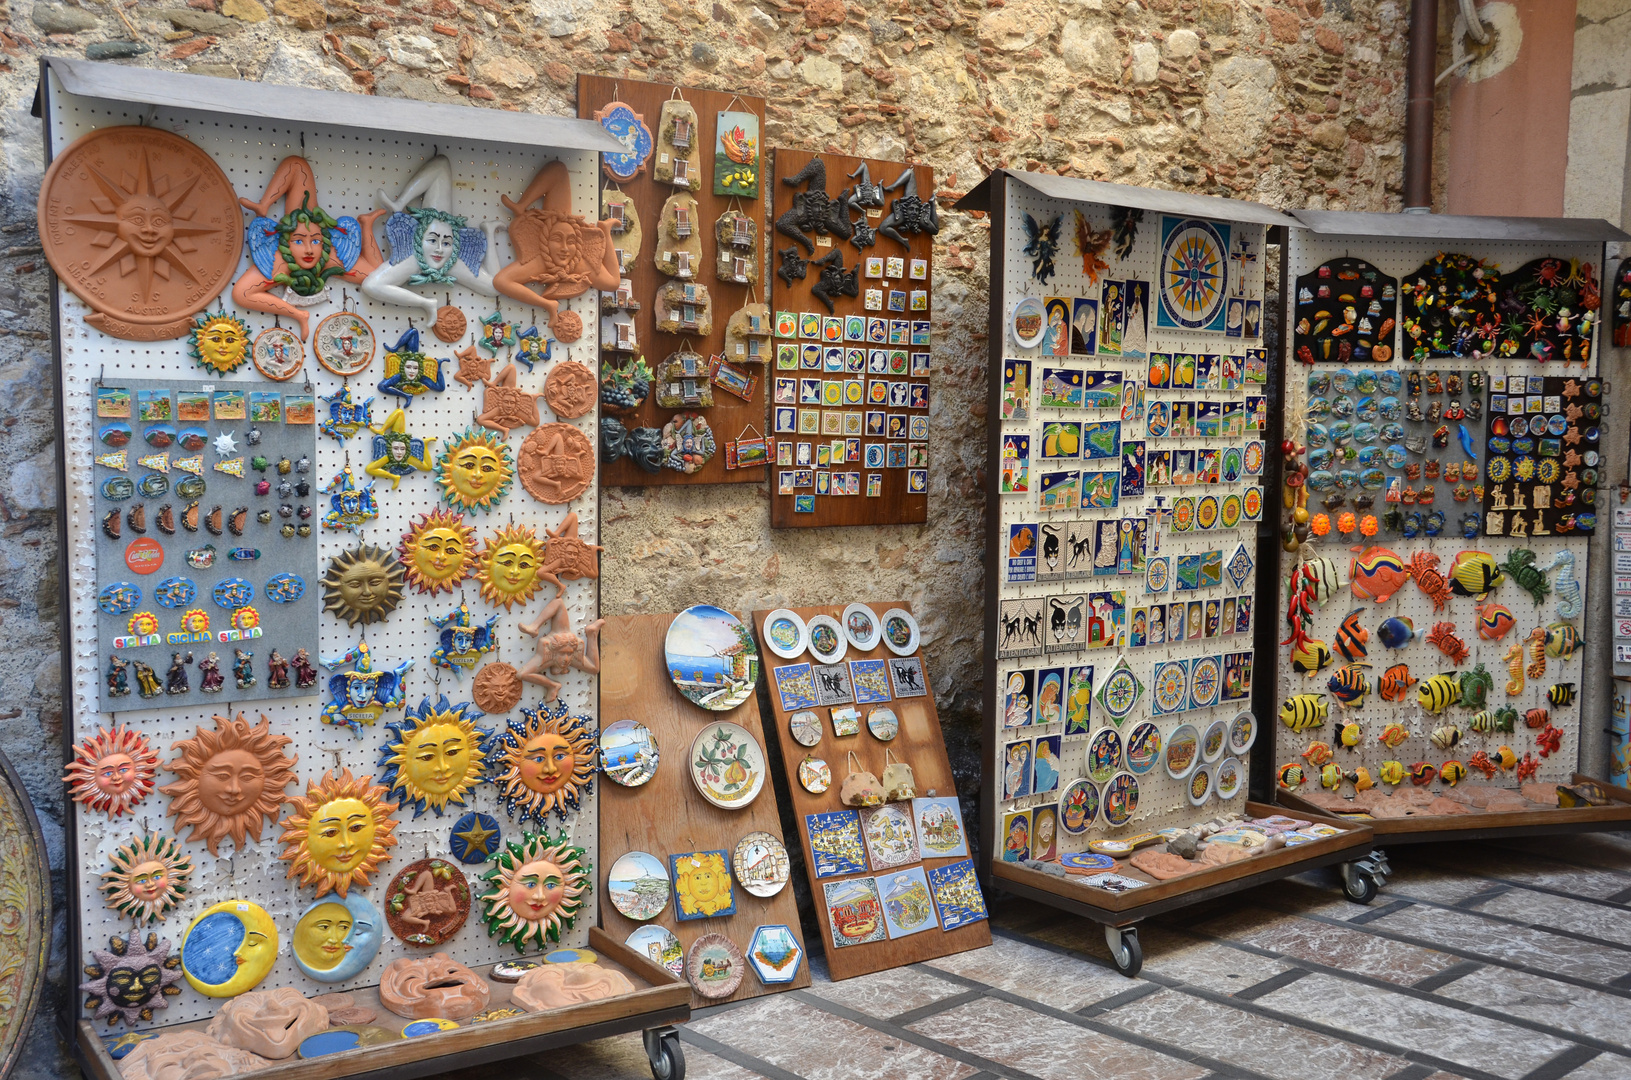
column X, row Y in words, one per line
column 338, row 832
column 187, row 1055
column 508, row 566
column 438, row 551
column 555, row 986
column 475, row 470
column 434, row 986
column 149, row 877
column 112, row 771
column 545, row 761
column 535, row 888
column 363, row 585
column 271, row 1023
column 433, row 756
column 335, row 940
column 232, row 781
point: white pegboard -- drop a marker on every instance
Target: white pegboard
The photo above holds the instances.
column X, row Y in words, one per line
column 350, row 166
column 1162, row 801
column 1305, row 251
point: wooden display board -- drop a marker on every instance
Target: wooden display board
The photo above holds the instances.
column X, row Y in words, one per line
column 666, row 815
column 897, row 501
column 729, row 415
column 1540, row 821
column 919, row 744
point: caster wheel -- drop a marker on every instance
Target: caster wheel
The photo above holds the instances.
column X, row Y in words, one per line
column 1358, row 886
column 667, row 1059
column 1124, row 950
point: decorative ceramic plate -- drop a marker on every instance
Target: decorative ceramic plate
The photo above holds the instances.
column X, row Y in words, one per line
column 1170, row 686
column 827, row 642
column 278, row 353
column 1206, row 512
column 711, row 657
column 1242, row 733
column 760, row 864
column 1200, row 785
column 344, row 343
column 628, row 753
column 727, row 765
column 1183, row 751
column 1205, row 681
column 1156, row 576
column 1229, row 516
column 1121, row 799
column 629, row 128
column 883, row 723
column 1027, row 323
column 1104, row 755
column 805, row 727
column 1228, row 775
column 1078, row 806
column 1214, row 741
column 660, row 946
column 900, row 632
column 1143, row 748
column 714, row 966
column 1086, row 860
column 637, row 885
column 775, row 954
column 814, row 775
column 861, row 627
column 785, row 634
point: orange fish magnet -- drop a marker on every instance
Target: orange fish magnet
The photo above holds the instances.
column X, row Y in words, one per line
column 1377, row 573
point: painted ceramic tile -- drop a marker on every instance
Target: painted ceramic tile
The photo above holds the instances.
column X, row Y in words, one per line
column 871, row 679
column 832, row 684
column 906, row 677
column 1050, row 695
column 1018, row 698
column 1020, row 634
column 796, row 685
column 835, row 842
column 1084, row 326
column 1135, row 319
column 1045, row 832
column 1112, row 307
column 1016, row 836
column 1061, row 388
column 1016, row 770
column 1045, row 765
column 889, row 835
column 1021, row 553
column 1056, row 316
column 939, row 828
column 1101, row 390
column 1079, row 699
column 957, row 894
column 1016, row 464
column 854, row 912
column 908, row 906
column 703, row 887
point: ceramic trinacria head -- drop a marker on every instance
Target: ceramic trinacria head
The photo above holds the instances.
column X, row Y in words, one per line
column 556, row 986
column 535, row 889
column 232, row 781
column 338, row 832
column 432, row 986
column 556, row 249
column 336, row 939
column 271, row 1023
column 430, row 244
column 187, row 1055
column 112, row 771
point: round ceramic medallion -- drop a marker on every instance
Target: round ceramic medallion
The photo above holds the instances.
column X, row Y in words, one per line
column 827, row 641
column 806, row 728
column 1200, row 785
column 1078, row 806
column 883, row 723
column 760, row 864
column 1252, row 504
column 427, row 902
column 344, row 343
column 660, row 946
column 1230, row 514
column 1206, row 512
column 1170, row 686
column 510, row 971
column 785, row 634
column 556, row 463
column 278, row 353
column 711, row 657
column 1104, row 755
column 1183, row 514
column 628, row 753
column 861, row 627
column 727, row 765
column 1120, row 799
column 1242, row 733
column 1183, row 751
column 1214, row 741
column 1087, row 860
column 1143, row 748
column 714, row 966
column 814, row 775
column 1027, row 324
column 1228, row 775
column 570, row 389
column 637, row 885
column 1205, row 681
column 900, row 632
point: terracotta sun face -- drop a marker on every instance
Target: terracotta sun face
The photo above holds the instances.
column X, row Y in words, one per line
column 232, row 781
column 433, row 757
column 219, row 342
column 535, row 890
column 338, row 832
column 508, row 566
column 438, row 551
column 149, row 877
column 475, row 470
column 112, row 771
column 546, row 761
column 363, row 585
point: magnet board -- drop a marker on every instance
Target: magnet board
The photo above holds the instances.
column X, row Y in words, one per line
column 350, row 166
column 730, row 414
column 868, row 360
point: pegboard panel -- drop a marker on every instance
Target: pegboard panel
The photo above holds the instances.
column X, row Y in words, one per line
column 1162, row 800
column 351, row 166
column 1305, row 252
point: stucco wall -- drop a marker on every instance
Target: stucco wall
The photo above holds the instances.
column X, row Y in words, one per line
column 1291, row 103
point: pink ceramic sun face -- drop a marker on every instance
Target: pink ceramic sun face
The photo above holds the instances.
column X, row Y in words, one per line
column 116, row 775
column 149, row 881
column 112, row 771
column 538, row 889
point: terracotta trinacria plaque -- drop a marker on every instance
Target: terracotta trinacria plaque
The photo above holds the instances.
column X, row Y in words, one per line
column 141, row 225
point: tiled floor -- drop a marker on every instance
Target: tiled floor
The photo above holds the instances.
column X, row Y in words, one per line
column 1486, row 960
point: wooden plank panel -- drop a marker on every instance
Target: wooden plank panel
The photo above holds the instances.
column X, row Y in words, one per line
column 896, row 505
column 729, row 414
column 666, row 815
column 921, row 745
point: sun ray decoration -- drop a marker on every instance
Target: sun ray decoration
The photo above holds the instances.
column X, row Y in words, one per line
column 363, row 584
column 148, row 879
column 337, row 833
column 475, row 470
column 537, row 887
column 438, row 551
column 130, row 979
column 545, row 761
column 112, row 771
column 509, row 567
column 232, row 781
column 434, row 756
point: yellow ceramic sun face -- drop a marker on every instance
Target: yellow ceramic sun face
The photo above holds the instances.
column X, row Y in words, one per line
column 319, row 937
column 337, row 833
column 475, row 470
column 438, row 551
column 229, row 949
column 341, row 833
column 439, row 759
column 703, row 884
column 220, row 343
column 508, row 566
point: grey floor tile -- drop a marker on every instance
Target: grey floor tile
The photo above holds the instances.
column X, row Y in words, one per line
column 1546, row 1001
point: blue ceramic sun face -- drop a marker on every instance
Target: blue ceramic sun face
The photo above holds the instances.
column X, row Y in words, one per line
column 336, row 939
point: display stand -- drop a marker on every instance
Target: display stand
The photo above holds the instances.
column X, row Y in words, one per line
column 1146, row 517
column 666, row 815
column 1396, row 247
column 920, row 744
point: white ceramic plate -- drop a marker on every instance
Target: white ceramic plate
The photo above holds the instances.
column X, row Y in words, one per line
column 785, row 634
column 727, row 765
column 861, row 627
column 1199, row 785
column 1182, row 752
column 1029, row 310
column 827, row 642
column 1228, row 774
column 900, row 632
column 1215, row 741
column 1242, row 733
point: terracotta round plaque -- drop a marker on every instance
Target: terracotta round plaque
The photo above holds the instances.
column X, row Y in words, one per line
column 279, row 354
column 567, row 326
column 427, row 902
column 141, row 225
column 344, row 343
column 450, row 324
column 570, row 389
column 497, row 688
column 556, row 463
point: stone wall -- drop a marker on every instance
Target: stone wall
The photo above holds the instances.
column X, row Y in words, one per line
column 1296, row 103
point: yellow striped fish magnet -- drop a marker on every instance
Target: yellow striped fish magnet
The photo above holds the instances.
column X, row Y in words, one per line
column 1300, row 712
column 1438, row 693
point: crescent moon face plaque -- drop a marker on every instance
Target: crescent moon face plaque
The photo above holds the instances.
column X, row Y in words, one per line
column 142, row 226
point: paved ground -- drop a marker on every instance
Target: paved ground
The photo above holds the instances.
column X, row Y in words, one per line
column 1477, row 961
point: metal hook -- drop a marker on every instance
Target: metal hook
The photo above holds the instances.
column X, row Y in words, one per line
column 100, row 374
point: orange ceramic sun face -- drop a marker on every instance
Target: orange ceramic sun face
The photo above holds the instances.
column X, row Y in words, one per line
column 546, row 763
column 438, row 551
column 112, row 771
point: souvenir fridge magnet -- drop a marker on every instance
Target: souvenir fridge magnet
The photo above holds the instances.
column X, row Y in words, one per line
column 543, row 761
column 629, row 128
column 130, row 979
column 148, row 879
column 474, row 838
column 629, row 753
column 437, row 552
column 713, row 966
column 475, row 469
column 334, row 940
column 141, row 225
column 711, row 658
column 727, row 765
column 363, row 584
column 702, row 885
column 427, row 902
column 433, row 757
column 229, row 948
column 219, row 343
column 535, row 890
column 775, row 954
column 430, row 245
column 344, row 343
column 556, row 463
column 112, row 771
column 337, row 833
